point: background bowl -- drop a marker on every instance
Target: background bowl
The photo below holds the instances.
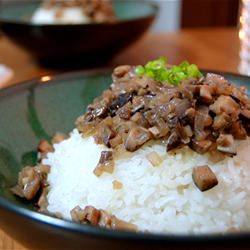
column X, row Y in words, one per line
column 74, row 43
column 37, row 109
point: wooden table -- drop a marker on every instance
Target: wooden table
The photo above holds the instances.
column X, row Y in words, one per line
column 215, row 49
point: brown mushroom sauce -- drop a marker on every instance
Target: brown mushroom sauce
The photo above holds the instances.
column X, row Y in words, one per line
column 206, row 114
column 32, row 180
column 91, row 215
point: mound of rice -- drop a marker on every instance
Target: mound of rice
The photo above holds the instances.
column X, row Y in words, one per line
column 70, row 15
column 158, row 199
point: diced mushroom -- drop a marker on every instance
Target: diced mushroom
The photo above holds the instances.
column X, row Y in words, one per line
column 186, row 91
column 100, row 112
column 163, row 110
column 218, row 83
column 43, row 201
column 206, row 93
column 226, row 144
column 172, row 121
column 204, row 178
column 181, row 107
column 154, row 158
column 162, row 125
column 88, row 215
column 238, row 131
column 194, row 113
column 59, row 137
column 114, row 142
column 117, row 184
column 106, row 163
column 216, row 156
column 42, row 169
column 222, row 121
column 189, row 116
column 87, row 117
column 125, row 111
column 214, row 78
column 137, row 136
column 184, row 133
column 233, row 230
column 200, row 147
column 104, row 135
column 110, row 221
column 105, row 219
column 124, row 127
column 29, row 182
column 140, row 120
column 173, row 141
column 245, row 113
column 240, row 94
column 78, row 214
column 44, row 147
column 188, row 130
column 224, row 104
column 119, row 102
column 120, row 71
column 154, row 131
column 138, row 104
column 151, row 116
column 93, row 216
column 118, row 224
column 202, row 120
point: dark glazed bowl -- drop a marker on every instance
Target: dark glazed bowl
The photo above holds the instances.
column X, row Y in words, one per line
column 39, row 108
column 75, row 43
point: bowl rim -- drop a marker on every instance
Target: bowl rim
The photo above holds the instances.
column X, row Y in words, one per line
column 155, row 11
column 242, row 237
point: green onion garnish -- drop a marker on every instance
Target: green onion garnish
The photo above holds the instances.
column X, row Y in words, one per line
column 157, row 70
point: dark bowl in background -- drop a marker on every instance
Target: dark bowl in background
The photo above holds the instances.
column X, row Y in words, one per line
column 66, row 44
column 37, row 109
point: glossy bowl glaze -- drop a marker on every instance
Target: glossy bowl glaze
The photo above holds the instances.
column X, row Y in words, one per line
column 39, row 108
column 74, row 44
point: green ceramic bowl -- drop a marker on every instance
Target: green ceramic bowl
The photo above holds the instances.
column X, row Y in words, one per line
column 37, row 109
column 74, row 44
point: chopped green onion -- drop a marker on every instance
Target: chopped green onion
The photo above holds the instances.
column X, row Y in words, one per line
column 139, row 70
column 157, row 70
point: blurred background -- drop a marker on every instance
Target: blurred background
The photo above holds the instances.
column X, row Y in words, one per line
column 177, row 14
column 195, row 30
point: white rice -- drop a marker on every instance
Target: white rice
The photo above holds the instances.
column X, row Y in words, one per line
column 71, row 15
column 159, row 199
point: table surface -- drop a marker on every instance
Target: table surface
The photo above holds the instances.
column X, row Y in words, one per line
column 210, row 48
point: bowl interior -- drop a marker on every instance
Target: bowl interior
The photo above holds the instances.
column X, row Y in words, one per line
column 38, row 109
column 14, row 11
